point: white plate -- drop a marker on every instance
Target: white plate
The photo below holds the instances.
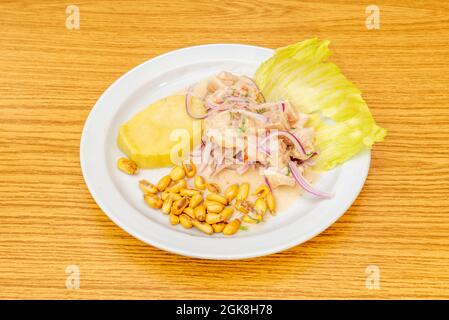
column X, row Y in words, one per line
column 118, row 194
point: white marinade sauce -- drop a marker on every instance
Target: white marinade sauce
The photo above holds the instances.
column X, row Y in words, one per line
column 284, row 195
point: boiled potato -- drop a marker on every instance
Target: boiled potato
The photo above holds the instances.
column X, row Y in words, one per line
column 151, row 135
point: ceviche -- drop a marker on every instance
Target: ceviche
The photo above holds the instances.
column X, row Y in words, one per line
column 243, row 131
column 254, row 143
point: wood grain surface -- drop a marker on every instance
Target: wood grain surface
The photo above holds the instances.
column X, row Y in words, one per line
column 51, row 77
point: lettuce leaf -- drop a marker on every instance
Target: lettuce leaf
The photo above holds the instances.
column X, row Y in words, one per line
column 342, row 121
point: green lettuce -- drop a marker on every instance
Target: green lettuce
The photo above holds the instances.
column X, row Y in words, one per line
column 341, row 118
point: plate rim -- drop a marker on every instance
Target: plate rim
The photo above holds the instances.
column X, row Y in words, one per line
column 132, row 231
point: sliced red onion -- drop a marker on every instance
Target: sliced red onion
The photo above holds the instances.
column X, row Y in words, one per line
column 267, row 182
column 309, row 161
column 289, row 136
column 255, row 116
column 305, row 184
column 283, row 106
column 242, row 169
column 205, row 157
column 239, row 156
column 264, row 150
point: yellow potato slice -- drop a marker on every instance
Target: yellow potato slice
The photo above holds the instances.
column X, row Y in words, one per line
column 155, row 134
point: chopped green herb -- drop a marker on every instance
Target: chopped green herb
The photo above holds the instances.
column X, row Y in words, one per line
column 243, row 228
column 242, row 127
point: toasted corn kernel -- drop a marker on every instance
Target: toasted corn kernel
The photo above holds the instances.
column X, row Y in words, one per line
column 210, row 202
column 153, row 200
column 214, row 208
column 186, row 221
column 226, row 213
column 199, row 182
column 189, row 211
column 232, row 227
column 174, row 220
column 200, row 213
column 257, row 217
column 177, row 173
column 177, row 186
column 188, row 192
column 252, row 218
column 212, row 218
column 166, row 206
column 175, row 196
column 246, row 218
column 243, row 192
column 195, row 200
column 213, row 187
column 203, row 226
column 217, row 197
column 218, row 227
column 165, row 195
column 179, row 206
column 243, row 206
column 163, row 183
column 231, row 192
column 260, row 206
column 262, row 191
column 127, row 166
column 271, row 203
column 147, row 187
column 189, row 169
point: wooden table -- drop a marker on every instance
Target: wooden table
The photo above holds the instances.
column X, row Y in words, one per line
column 51, row 77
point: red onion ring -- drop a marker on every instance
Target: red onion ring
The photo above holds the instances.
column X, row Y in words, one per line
column 267, row 182
column 288, row 135
column 306, row 185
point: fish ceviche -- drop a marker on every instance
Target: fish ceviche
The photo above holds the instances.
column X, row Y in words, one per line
column 243, row 131
column 257, row 137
